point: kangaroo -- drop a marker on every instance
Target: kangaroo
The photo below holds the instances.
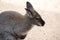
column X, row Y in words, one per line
column 13, row 25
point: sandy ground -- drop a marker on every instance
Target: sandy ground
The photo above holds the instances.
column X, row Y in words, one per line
column 51, row 30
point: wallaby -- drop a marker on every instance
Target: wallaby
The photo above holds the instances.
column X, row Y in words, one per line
column 13, row 25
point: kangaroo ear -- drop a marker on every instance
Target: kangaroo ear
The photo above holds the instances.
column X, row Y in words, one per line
column 28, row 5
column 29, row 13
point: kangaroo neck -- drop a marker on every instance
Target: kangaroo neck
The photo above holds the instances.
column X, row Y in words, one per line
column 23, row 27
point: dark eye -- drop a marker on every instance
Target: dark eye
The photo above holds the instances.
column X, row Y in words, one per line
column 37, row 18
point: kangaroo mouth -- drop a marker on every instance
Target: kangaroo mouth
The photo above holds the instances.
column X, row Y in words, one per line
column 38, row 24
column 41, row 24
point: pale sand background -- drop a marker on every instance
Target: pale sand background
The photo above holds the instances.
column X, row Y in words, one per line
column 48, row 9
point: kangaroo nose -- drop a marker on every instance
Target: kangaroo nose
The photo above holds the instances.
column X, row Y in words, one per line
column 42, row 23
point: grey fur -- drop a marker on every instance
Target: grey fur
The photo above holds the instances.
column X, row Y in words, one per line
column 14, row 26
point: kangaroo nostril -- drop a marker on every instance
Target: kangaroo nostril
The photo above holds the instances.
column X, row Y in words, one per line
column 43, row 23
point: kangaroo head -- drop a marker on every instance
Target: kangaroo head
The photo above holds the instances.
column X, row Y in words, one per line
column 33, row 15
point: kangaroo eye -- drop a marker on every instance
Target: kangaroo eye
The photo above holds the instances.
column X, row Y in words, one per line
column 37, row 17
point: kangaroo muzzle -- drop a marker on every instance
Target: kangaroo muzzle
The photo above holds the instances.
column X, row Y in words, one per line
column 42, row 22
